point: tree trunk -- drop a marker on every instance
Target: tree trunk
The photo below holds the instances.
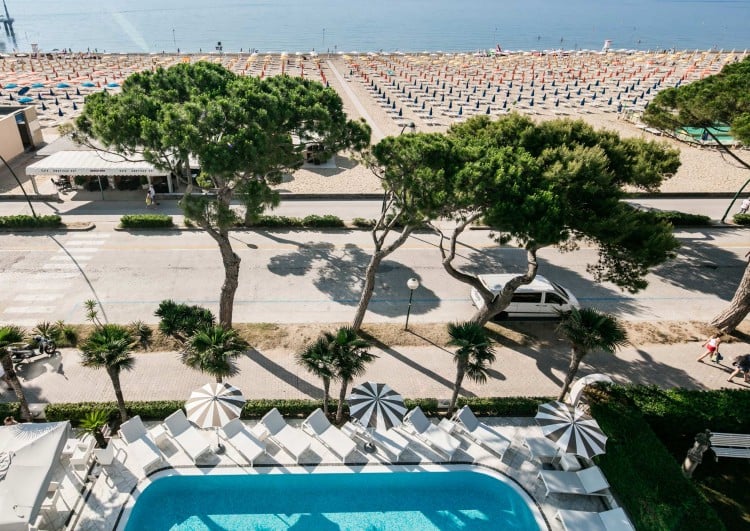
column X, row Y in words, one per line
column 326, row 394
column 575, row 360
column 219, row 379
column 738, row 309
column 342, row 397
column 231, row 278
column 456, row 388
column 115, row 377
column 367, row 289
column 12, row 378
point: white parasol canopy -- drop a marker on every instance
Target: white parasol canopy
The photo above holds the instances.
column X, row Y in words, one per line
column 214, row 405
column 571, row 429
column 376, row 405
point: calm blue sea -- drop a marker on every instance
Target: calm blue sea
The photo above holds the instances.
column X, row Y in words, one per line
column 371, row 25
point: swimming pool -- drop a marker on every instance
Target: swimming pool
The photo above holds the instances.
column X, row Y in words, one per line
column 414, row 501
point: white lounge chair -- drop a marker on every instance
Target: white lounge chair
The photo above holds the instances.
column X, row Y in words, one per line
column 390, row 442
column 140, row 447
column 587, row 482
column 468, row 425
column 186, row 435
column 290, row 439
column 318, row 426
column 240, row 438
column 612, row 520
column 437, row 439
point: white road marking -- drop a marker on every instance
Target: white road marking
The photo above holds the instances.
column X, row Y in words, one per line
column 82, row 243
column 29, row 309
column 89, row 235
column 60, row 266
column 66, row 258
column 37, row 297
column 76, row 250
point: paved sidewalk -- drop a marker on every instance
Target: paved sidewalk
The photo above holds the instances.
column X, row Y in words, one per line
column 413, row 371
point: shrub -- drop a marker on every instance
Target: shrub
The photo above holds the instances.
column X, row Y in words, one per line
column 146, row 221
column 742, row 219
column 313, row 220
column 26, row 221
column 277, row 221
column 68, row 336
column 645, row 476
column 683, row 219
column 78, row 412
column 9, row 409
column 363, row 223
column 510, row 406
column 180, row 321
column 142, row 332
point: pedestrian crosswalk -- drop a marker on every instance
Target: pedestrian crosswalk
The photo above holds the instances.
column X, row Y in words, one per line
column 40, row 293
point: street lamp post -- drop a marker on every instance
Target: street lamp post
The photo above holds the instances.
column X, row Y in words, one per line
column 412, row 284
column 19, row 184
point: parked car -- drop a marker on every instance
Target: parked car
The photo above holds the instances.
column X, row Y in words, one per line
column 539, row 299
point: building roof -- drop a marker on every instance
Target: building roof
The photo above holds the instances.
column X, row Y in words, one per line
column 91, row 163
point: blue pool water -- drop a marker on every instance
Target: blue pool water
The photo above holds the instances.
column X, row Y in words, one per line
column 321, row 502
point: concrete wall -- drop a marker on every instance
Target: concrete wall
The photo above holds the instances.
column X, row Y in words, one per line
column 35, row 127
column 10, row 140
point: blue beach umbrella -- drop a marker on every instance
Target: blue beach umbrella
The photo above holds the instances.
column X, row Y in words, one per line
column 450, row 104
column 609, row 101
column 78, row 91
column 37, row 85
column 460, row 111
column 11, row 86
column 544, row 97
column 477, row 105
column 59, row 111
column 44, row 107
column 557, row 103
column 39, row 96
column 393, row 104
column 430, row 111
column 25, row 99
column 63, row 85
column 75, row 107
column 531, row 102
column 593, row 96
column 57, row 102
column 400, row 112
column 493, row 98
column 583, row 101
column 505, row 104
column 67, row 96
column 532, row 82
column 488, row 110
column 422, row 105
column 23, row 90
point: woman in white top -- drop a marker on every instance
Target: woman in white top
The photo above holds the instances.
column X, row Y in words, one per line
column 712, row 346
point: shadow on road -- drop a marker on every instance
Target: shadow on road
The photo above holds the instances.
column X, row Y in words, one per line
column 278, row 371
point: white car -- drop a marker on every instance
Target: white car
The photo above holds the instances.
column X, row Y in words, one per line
column 540, row 298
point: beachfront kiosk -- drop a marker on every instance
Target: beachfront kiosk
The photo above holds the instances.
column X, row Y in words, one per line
column 97, row 164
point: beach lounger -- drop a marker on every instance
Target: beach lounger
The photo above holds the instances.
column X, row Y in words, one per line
column 318, row 426
column 186, row 435
column 468, row 425
column 612, row 520
column 290, row 439
column 587, row 482
column 390, row 443
column 439, row 440
column 240, row 438
column 139, row 445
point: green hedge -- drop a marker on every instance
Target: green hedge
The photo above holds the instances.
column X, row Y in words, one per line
column 313, row 220
column 9, row 409
column 511, row 406
column 363, row 223
column 327, row 221
column 647, row 479
column 146, row 221
column 683, row 219
column 742, row 219
column 24, row 221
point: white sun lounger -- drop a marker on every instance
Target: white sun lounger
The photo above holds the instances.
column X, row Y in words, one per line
column 468, row 425
column 612, row 520
column 290, row 439
column 587, row 482
column 186, row 435
column 240, row 438
column 140, row 447
column 437, row 439
column 318, row 426
column 391, row 443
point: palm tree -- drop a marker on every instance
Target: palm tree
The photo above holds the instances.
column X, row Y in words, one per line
column 212, row 350
column 318, row 360
column 588, row 329
column 350, row 359
column 8, row 336
column 473, row 356
column 110, row 347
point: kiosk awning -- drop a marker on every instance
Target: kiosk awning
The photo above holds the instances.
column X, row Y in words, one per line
column 90, row 163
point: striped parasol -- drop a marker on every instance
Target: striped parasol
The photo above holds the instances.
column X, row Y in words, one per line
column 376, row 405
column 571, row 429
column 214, row 404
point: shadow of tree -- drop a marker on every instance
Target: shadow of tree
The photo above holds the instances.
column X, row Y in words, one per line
column 702, row 266
column 271, row 367
column 340, row 275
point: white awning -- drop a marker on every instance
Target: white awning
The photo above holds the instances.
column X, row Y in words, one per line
column 90, row 163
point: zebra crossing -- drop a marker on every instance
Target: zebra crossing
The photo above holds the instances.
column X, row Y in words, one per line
column 41, row 292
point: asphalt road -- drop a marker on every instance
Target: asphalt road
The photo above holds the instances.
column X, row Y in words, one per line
column 289, row 276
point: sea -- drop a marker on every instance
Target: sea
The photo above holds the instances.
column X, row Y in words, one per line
column 152, row 26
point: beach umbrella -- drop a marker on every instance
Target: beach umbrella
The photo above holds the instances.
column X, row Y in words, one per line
column 88, row 84
column 460, row 111
column 67, row 96
column 63, row 85
column 11, row 86
column 376, row 405
column 493, row 98
column 573, row 431
column 609, row 101
column 57, row 102
column 37, row 85
column 400, row 112
column 488, row 110
column 78, row 91
column 619, row 107
column 214, row 405
column 75, row 107
column 477, row 105
column 39, row 96
column 25, row 99
column 430, row 111
column 450, row 104
column 59, row 111
column 44, row 107
column 23, row 90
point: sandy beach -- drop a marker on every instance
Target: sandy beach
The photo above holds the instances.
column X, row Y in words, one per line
column 432, row 91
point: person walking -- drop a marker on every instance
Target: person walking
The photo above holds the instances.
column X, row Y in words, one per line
column 712, row 348
column 741, row 363
column 151, row 196
column 744, row 206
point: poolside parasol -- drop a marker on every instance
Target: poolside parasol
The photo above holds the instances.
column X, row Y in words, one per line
column 214, row 405
column 376, row 405
column 571, row 429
